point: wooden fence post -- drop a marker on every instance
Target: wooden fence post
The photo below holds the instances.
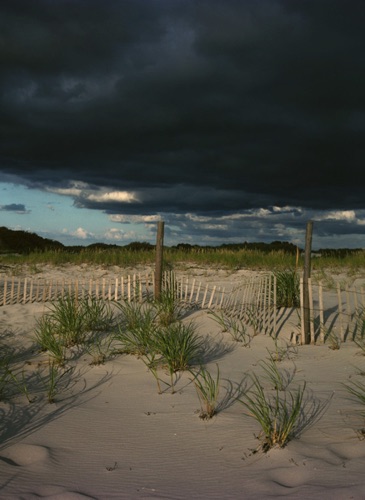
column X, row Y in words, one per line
column 159, row 259
column 321, row 314
column 306, row 276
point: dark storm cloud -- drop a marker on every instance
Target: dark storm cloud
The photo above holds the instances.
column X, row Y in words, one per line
column 14, row 207
column 206, row 106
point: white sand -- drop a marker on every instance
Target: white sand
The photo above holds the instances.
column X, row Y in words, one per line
column 111, row 435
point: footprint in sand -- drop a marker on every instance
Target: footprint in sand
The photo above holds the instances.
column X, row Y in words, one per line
column 24, row 454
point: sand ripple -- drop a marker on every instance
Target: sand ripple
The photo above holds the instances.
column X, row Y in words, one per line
column 25, row 454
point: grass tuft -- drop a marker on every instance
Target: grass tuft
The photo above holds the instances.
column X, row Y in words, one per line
column 287, row 288
column 168, row 306
column 180, row 346
column 47, row 338
column 235, row 327
column 357, row 389
column 135, row 333
column 207, row 389
column 279, row 378
column 278, row 415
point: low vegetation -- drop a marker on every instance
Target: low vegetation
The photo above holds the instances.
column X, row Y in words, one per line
column 278, row 413
column 179, row 346
column 235, row 327
column 357, row 389
column 70, row 322
column 136, row 327
column 287, row 288
column 21, row 247
column 279, row 378
column 207, row 388
column 153, row 331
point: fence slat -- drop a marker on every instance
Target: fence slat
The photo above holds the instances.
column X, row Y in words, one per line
column 302, row 331
column 129, row 288
column 211, row 297
column 5, row 291
column 205, row 296
column 25, row 289
column 311, row 312
column 321, row 310
column 339, row 298
column 12, row 290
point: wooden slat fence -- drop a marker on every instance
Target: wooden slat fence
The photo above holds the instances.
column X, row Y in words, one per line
column 28, row 290
column 337, row 311
column 253, row 300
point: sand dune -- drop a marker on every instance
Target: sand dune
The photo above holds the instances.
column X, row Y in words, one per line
column 109, row 434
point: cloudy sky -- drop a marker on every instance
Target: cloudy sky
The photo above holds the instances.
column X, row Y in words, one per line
column 231, row 120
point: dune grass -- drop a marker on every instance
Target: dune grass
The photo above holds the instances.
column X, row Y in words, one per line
column 357, row 389
column 282, row 350
column 287, row 288
column 180, row 346
column 52, row 380
column 235, row 327
column 153, row 331
column 207, row 388
column 48, row 340
column 71, row 321
column 136, row 327
column 360, row 327
column 279, row 378
column 168, row 306
column 99, row 347
column 214, row 257
column 5, row 372
column 278, row 414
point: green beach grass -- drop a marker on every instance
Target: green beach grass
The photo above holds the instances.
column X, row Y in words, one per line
column 213, row 257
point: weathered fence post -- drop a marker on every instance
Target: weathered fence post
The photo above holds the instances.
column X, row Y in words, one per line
column 306, row 275
column 159, row 259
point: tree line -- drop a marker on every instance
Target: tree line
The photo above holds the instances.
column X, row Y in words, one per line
column 24, row 242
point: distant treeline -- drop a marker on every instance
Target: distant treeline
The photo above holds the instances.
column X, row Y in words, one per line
column 338, row 253
column 23, row 242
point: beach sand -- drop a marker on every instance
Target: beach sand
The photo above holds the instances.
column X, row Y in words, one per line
column 109, row 434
